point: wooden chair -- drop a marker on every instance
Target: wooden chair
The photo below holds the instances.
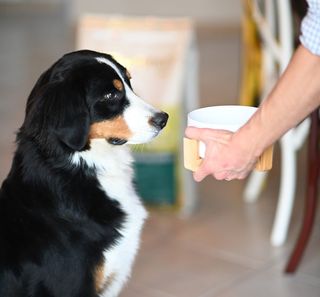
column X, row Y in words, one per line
column 274, row 22
column 277, row 51
column 311, row 193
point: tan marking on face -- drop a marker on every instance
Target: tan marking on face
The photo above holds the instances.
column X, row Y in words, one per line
column 118, row 84
column 116, row 128
column 128, row 74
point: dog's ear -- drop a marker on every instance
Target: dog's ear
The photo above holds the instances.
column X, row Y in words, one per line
column 57, row 108
column 74, row 131
column 74, row 121
column 38, row 90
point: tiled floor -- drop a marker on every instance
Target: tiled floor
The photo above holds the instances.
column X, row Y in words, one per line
column 223, row 249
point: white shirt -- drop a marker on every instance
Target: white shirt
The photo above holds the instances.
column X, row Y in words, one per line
column 310, row 28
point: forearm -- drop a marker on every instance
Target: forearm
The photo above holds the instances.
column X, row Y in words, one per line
column 296, row 95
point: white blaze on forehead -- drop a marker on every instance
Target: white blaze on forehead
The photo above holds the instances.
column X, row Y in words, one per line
column 130, row 94
column 112, row 65
column 138, row 114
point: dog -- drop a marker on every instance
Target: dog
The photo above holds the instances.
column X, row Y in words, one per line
column 70, row 218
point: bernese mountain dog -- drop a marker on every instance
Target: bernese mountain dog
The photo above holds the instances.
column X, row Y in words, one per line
column 70, row 218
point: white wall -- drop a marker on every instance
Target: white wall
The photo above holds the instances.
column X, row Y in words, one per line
column 225, row 12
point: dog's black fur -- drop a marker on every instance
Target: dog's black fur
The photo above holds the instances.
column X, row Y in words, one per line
column 55, row 221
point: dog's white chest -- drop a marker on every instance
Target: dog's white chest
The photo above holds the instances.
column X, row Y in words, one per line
column 119, row 258
column 114, row 174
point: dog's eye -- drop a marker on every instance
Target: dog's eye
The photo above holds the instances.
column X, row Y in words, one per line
column 112, row 96
column 106, row 97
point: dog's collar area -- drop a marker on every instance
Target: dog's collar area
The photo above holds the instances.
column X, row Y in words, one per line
column 116, row 141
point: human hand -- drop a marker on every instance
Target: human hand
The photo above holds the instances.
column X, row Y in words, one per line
column 226, row 156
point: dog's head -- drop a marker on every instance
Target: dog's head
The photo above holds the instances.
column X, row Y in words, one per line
column 87, row 95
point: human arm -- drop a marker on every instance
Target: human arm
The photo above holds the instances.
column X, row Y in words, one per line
column 296, row 94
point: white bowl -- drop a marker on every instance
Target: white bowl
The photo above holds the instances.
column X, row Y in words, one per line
column 225, row 117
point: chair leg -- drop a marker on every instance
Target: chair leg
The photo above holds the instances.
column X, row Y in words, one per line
column 311, row 196
column 287, row 190
column 254, row 186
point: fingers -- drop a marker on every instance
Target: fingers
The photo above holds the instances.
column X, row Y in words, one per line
column 199, row 175
column 203, row 171
column 205, row 134
column 221, row 161
column 227, row 175
column 207, row 169
column 193, row 133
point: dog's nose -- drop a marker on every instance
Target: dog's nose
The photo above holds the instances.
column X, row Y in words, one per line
column 159, row 120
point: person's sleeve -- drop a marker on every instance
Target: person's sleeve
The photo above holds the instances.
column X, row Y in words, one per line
column 310, row 28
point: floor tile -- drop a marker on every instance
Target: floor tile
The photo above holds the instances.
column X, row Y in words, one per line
column 132, row 290
column 177, row 270
column 272, row 283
